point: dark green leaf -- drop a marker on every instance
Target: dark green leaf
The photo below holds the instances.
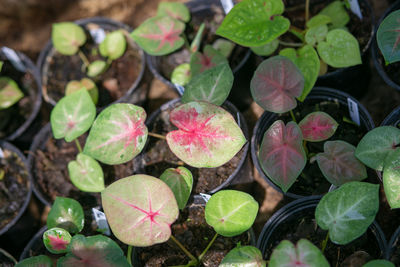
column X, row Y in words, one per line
column 66, row 213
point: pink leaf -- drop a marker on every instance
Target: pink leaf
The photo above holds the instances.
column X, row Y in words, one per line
column 318, row 126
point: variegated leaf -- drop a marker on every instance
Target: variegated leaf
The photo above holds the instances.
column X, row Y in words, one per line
column 318, row 126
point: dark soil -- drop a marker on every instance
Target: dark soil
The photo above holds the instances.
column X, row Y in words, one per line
column 13, row 186
column 195, row 234
column 112, row 84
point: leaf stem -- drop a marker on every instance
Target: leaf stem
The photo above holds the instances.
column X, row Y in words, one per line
column 78, row 145
column 8, row 255
column 307, row 10
column 290, row 44
column 292, row 115
column 208, row 247
column 129, row 255
column 83, row 58
column 193, row 258
column 194, row 47
column 157, row 135
column 325, row 242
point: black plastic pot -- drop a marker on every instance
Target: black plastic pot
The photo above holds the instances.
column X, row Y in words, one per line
column 317, row 94
column 393, row 248
column 393, row 118
column 299, row 209
column 22, row 134
column 135, row 93
column 7, row 259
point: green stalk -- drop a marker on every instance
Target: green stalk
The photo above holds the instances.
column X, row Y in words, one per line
column 325, row 242
column 292, row 115
column 78, row 145
column 157, row 135
column 208, row 247
column 194, row 47
column 193, row 258
column 83, row 58
column 129, row 255
column 307, row 10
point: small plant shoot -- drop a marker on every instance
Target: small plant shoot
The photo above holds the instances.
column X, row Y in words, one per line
column 210, row 58
column 388, row 36
column 56, row 240
column 86, row 174
column 67, row 37
column 337, row 14
column 247, row 256
column 85, row 83
column 175, row 10
column 96, row 68
column 181, row 74
column 348, row 211
column 207, row 135
column 10, row 93
column 318, row 126
column 66, row 213
column 113, row 46
column 180, row 180
column 36, row 261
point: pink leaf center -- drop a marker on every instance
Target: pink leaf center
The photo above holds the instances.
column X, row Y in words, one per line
column 206, row 63
column 169, row 35
column 57, row 243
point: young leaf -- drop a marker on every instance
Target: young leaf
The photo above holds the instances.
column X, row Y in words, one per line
column 379, row 263
column 307, row 60
column 36, row 261
column 276, row 84
column 318, row 20
column 9, row 92
column 316, row 34
column 340, row 49
column 86, row 174
column 224, row 46
column 114, row 45
column 304, row 253
column 159, row 35
column 140, row 210
column 348, row 211
column 201, row 62
column 282, row 155
column 212, row 86
column 85, row 83
column 318, row 126
column 97, row 67
column 96, row 251
column 376, row 145
column 254, row 22
column 67, row 37
column 180, row 180
column 56, row 240
column 72, row 116
column 181, row 74
column 337, row 13
column 231, row 212
column 66, row 213
column 246, row 256
column 117, row 135
column 174, row 10
column 2, row 63
column 338, row 163
column 391, row 178
column 208, row 136
column 388, row 37
column 267, row 49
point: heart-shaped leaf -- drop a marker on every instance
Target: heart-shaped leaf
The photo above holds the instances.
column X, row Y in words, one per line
column 200, row 62
column 307, row 60
column 67, row 37
column 9, row 92
column 225, row 47
column 56, row 240
column 282, row 155
column 36, row 261
column 212, row 86
column 304, row 254
column 246, row 256
column 318, row 20
column 391, row 178
column 231, row 212
column 338, row 163
column 118, row 134
column 181, row 74
column 254, row 22
column 267, row 49
column 180, row 180
column 175, row 10
column 86, row 173
column 379, row 263
column 340, row 50
column 348, row 211
column 95, row 251
column 159, row 35
column 208, row 136
column 337, row 13
column 318, row 126
column 73, row 115
column 316, row 34
column 85, row 83
column 140, row 210
column 276, row 84
column 96, row 68
column 376, row 145
column 113, row 46
column 388, row 37
column 66, row 213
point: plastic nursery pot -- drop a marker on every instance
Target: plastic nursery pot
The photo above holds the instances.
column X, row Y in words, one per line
column 7, row 259
column 339, row 105
column 296, row 220
column 393, row 248
column 16, row 121
column 156, row 155
column 201, row 11
column 393, row 118
column 120, row 83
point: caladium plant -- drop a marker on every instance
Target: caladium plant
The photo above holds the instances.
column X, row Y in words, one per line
column 10, row 93
column 388, row 36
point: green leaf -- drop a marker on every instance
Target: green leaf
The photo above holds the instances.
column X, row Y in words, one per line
column 9, row 92
column 391, row 178
column 66, row 213
column 254, row 22
column 303, row 254
column 209, row 59
column 318, row 20
column 2, row 63
column 376, row 145
column 340, row 50
column 72, row 116
column 231, row 212
column 316, row 34
column 180, row 180
column 93, row 251
column 225, row 47
column 379, row 263
column 348, row 211
column 67, row 37
column 86, row 174
column 36, row 261
column 85, row 83
column 267, row 49
column 337, row 13
column 246, row 256
column 307, row 60
column 388, row 37
column 56, row 240
column 181, row 74
column 117, row 135
column 212, row 86
column 159, row 35
column 114, row 45
column 175, row 10
column 97, row 67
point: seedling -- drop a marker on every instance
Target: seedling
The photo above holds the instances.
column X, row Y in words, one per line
column 10, row 93
column 387, row 37
column 85, row 83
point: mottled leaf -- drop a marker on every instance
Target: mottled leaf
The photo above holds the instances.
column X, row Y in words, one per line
column 304, row 254
column 391, row 178
column 208, row 136
column 318, row 20
column 66, row 213
column 175, row 10
column 67, row 37
column 96, row 68
column 276, row 83
column 180, row 180
column 200, row 62
column 114, row 45
column 140, row 210
column 72, row 116
column 86, row 173
column 181, row 74
column 56, row 240
column 348, row 211
column 316, row 34
column 388, row 37
column 9, row 92
column 254, row 22
column 282, row 155
column 337, row 13
column 267, row 49
column 85, row 83
column 379, row 263
column 36, row 261
column 224, row 46
column 318, row 126
column 231, row 212
column 118, row 134
column 246, row 256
